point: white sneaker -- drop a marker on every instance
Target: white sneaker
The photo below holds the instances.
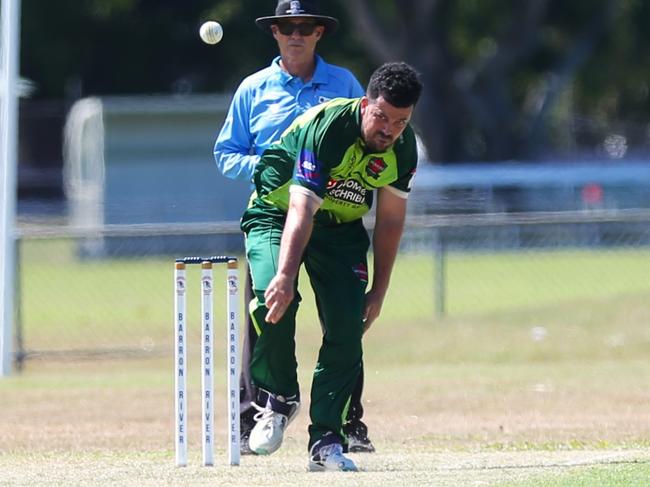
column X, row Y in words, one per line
column 268, row 432
column 330, row 458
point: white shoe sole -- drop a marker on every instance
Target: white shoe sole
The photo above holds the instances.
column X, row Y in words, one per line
column 268, row 449
column 317, row 467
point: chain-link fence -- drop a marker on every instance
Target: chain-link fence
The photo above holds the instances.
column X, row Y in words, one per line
column 117, row 299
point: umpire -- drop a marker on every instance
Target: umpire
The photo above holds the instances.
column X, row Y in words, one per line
column 264, row 105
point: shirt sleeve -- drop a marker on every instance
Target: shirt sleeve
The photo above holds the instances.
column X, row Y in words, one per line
column 356, row 90
column 407, row 164
column 310, row 170
column 233, row 147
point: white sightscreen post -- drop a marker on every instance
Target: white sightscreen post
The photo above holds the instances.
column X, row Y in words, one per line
column 9, row 160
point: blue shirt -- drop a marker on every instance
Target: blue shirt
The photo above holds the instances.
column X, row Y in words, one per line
column 266, row 103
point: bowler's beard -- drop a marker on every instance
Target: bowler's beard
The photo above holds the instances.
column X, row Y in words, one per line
column 378, row 143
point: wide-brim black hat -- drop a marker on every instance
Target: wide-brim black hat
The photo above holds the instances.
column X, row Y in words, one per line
column 293, row 9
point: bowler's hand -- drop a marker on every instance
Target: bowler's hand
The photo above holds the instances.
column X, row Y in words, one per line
column 278, row 296
column 374, row 302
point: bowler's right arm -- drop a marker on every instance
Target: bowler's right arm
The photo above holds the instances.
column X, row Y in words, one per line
column 295, row 235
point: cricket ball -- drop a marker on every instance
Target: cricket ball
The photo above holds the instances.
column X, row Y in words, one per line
column 211, row 32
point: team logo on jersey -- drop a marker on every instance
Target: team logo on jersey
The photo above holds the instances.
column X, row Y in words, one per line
column 375, row 167
column 347, row 190
column 308, row 169
column 361, row 270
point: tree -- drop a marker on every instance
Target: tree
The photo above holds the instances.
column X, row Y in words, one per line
column 101, row 47
column 503, row 80
column 497, row 73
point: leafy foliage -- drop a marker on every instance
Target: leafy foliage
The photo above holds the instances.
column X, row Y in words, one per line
column 504, row 80
column 73, row 48
column 523, row 80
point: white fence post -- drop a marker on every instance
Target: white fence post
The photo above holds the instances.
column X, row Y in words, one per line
column 9, row 161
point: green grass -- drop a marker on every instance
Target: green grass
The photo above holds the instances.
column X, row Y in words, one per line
column 66, row 302
column 479, row 284
column 613, row 475
column 537, row 374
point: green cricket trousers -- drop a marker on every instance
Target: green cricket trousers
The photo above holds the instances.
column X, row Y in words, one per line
column 336, row 262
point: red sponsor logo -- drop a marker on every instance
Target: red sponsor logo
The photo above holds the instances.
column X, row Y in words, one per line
column 375, row 167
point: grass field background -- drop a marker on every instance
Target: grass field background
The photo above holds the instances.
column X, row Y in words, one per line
column 67, row 303
column 538, row 376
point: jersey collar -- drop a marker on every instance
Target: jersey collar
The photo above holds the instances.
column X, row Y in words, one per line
column 321, row 73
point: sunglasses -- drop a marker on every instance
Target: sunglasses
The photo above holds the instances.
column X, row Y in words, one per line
column 304, row 28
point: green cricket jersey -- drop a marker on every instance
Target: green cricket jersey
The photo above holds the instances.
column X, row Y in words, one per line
column 322, row 151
